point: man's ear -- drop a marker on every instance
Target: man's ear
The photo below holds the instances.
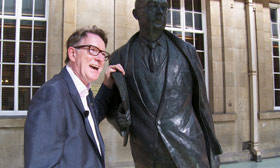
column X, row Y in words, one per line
column 135, row 14
column 71, row 54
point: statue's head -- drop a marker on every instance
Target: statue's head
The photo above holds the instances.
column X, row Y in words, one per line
column 151, row 15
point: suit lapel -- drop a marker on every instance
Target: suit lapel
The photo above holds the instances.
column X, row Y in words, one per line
column 130, row 72
column 170, row 76
column 78, row 102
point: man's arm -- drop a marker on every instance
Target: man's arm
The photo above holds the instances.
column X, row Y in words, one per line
column 44, row 131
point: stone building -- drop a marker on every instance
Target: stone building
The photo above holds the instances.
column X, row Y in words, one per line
column 237, row 41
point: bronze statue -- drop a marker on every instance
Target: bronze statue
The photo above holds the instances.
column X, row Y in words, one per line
column 171, row 121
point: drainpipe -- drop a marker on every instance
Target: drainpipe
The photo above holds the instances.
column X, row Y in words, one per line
column 252, row 52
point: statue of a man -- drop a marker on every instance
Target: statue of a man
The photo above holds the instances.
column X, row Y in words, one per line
column 171, row 121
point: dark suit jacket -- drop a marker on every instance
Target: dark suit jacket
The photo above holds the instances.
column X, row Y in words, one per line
column 57, row 133
column 145, row 127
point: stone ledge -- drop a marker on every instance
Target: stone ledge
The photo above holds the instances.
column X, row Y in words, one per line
column 12, row 122
column 224, row 117
column 269, row 115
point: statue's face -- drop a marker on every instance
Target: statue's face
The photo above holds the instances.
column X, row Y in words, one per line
column 151, row 15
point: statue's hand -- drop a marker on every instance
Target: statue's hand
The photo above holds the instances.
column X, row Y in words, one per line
column 123, row 119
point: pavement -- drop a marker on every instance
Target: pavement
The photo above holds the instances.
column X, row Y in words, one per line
column 265, row 163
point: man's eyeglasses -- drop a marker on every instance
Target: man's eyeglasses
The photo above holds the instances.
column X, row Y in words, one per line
column 93, row 50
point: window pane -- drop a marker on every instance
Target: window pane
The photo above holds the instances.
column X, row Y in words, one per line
column 168, row 19
column 277, row 98
column 275, row 49
column 9, row 29
column 10, row 7
column 24, row 75
column 188, row 5
column 24, row 98
column 276, row 64
column 27, row 6
column 189, row 21
column 176, row 19
column 201, row 57
column 178, row 34
column 8, row 75
column 198, row 22
column 40, row 8
column 38, row 75
column 197, row 5
column 25, row 53
column 7, row 98
column 1, row 7
column 176, row 4
column 199, row 42
column 273, row 15
column 40, row 31
column 39, row 52
column 274, row 30
column 25, row 30
column 277, row 81
column 189, row 37
column 9, row 52
column 0, row 27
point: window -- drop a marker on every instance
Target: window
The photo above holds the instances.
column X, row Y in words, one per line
column 275, row 36
column 186, row 20
column 23, row 47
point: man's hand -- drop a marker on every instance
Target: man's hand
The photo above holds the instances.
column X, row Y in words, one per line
column 108, row 79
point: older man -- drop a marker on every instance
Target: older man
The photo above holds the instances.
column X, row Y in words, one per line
column 61, row 128
column 171, row 122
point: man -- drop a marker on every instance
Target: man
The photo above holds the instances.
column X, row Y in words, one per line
column 171, row 122
column 61, row 128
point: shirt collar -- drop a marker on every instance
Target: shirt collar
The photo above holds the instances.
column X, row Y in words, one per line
column 161, row 41
column 81, row 87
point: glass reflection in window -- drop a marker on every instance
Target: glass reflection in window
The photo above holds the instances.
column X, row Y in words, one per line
column 8, row 75
column 198, row 21
column 39, row 31
column 189, row 20
column 39, row 52
column 39, row 8
column 23, row 98
column 199, row 42
column 24, row 75
column 176, row 19
column 27, row 6
column 9, row 29
column 25, row 52
column 9, row 52
column 38, row 75
column 25, row 30
column 10, row 7
column 7, row 98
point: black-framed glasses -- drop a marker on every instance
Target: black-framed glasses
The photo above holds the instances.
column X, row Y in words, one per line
column 94, row 51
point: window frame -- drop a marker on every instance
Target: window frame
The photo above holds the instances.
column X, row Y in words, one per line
column 18, row 17
column 203, row 31
column 277, row 7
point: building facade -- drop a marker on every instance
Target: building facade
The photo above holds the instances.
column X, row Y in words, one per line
column 237, row 41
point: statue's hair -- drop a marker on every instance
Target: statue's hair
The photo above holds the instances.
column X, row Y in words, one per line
column 79, row 34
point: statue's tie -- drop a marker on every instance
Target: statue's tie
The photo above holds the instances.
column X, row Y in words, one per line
column 152, row 58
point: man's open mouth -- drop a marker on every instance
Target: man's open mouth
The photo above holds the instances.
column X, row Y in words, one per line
column 95, row 67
